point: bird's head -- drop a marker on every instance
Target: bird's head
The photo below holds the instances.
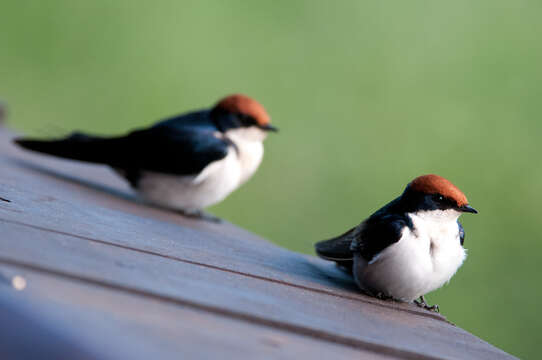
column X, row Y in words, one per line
column 433, row 192
column 242, row 114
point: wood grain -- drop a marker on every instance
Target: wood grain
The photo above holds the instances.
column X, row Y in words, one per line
column 77, row 226
column 119, row 325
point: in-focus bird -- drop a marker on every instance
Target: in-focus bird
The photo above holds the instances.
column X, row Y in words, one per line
column 408, row 248
column 185, row 163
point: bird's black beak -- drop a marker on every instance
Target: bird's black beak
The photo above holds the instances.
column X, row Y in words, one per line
column 468, row 208
column 269, row 127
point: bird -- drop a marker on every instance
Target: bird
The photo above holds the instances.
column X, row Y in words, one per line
column 409, row 247
column 184, row 163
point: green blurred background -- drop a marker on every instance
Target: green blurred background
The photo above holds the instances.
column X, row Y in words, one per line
column 367, row 94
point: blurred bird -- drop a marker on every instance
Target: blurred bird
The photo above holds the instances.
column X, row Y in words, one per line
column 184, row 163
column 408, row 248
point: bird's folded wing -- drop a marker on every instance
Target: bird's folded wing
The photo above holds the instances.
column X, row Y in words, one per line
column 378, row 232
column 181, row 152
column 338, row 248
column 160, row 149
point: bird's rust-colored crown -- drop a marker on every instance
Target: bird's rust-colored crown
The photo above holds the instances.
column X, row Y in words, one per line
column 434, row 184
column 242, row 104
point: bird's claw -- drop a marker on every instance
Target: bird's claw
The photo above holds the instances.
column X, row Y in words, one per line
column 424, row 305
column 201, row 215
column 383, row 296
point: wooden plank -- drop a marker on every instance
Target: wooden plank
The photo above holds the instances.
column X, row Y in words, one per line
column 79, row 223
column 340, row 320
column 48, row 205
column 26, row 335
column 118, row 325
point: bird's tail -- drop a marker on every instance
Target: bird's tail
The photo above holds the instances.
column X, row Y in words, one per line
column 77, row 146
column 338, row 249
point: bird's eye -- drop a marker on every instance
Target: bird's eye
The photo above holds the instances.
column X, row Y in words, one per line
column 245, row 119
column 438, row 197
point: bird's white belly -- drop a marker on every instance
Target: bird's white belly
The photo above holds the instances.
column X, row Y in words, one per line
column 423, row 260
column 191, row 193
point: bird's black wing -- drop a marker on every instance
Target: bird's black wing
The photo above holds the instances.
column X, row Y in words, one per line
column 461, row 233
column 166, row 149
column 338, row 249
column 178, row 152
column 378, row 232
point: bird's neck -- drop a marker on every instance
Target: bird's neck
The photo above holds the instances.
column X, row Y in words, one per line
column 441, row 216
column 243, row 135
column 249, row 146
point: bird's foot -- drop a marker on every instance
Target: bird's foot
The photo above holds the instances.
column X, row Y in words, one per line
column 423, row 304
column 383, row 296
column 199, row 214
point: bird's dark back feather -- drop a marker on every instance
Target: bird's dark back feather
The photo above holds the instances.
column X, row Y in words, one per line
column 183, row 145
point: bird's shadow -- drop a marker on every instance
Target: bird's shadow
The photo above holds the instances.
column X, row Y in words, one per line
column 74, row 179
column 330, row 274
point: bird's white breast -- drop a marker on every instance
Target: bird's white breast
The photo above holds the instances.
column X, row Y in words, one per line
column 423, row 260
column 249, row 144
